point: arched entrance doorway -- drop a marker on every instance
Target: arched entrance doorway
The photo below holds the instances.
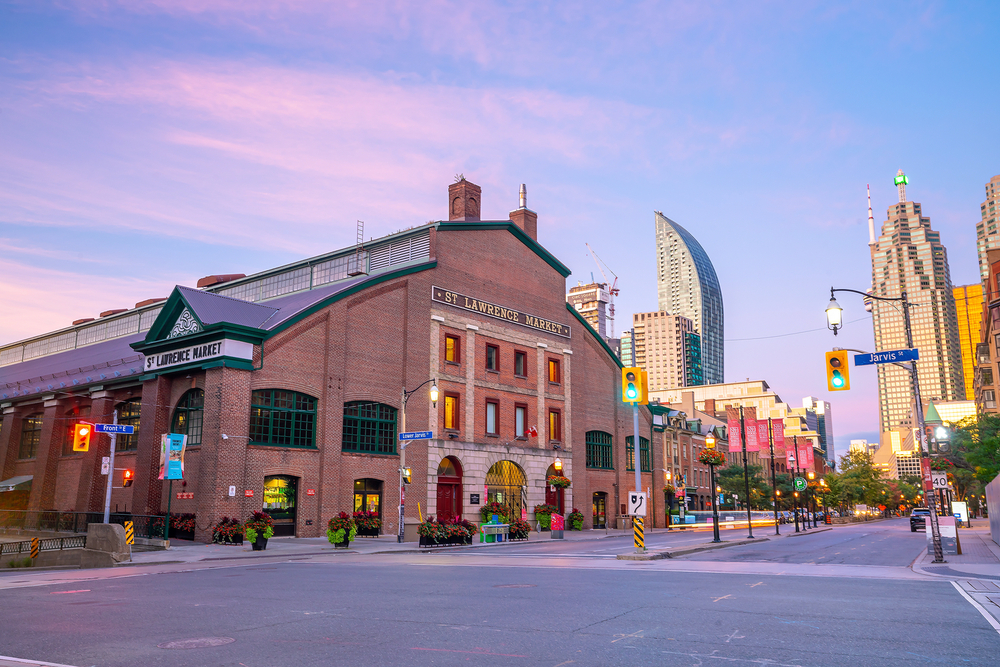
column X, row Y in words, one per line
column 557, row 497
column 600, row 510
column 279, row 502
column 449, row 489
column 506, row 484
column 368, row 496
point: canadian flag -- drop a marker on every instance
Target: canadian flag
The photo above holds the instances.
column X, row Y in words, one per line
column 532, row 431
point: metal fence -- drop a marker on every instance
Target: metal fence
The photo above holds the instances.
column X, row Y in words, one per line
column 76, row 522
column 51, row 544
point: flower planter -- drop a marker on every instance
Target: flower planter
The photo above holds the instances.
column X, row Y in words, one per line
column 367, row 532
column 181, row 534
column 455, row 541
column 259, row 544
column 231, row 541
column 342, row 545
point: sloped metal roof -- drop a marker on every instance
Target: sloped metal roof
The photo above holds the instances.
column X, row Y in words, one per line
column 212, row 308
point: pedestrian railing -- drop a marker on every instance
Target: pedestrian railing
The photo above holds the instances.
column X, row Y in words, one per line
column 76, row 522
column 49, row 544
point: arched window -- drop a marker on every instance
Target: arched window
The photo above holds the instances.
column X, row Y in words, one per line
column 128, row 414
column 599, row 453
column 369, row 427
column 506, row 484
column 188, row 416
column 31, row 435
column 283, row 418
column 645, row 465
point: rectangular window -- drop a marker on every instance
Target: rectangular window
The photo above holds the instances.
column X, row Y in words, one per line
column 644, row 462
column 520, row 364
column 554, row 375
column 368, row 427
column 492, row 358
column 520, row 416
column 451, row 411
column 31, row 435
column 986, row 376
column 492, row 407
column 452, row 349
column 988, row 399
column 555, row 425
column 599, row 451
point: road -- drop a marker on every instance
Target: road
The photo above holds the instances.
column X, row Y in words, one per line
column 522, row 605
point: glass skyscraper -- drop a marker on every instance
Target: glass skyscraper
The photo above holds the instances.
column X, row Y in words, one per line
column 687, row 286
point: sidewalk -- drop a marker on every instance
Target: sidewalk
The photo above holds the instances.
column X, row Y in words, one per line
column 980, row 556
column 184, row 551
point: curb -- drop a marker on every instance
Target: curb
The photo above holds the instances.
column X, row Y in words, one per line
column 811, row 531
column 660, row 555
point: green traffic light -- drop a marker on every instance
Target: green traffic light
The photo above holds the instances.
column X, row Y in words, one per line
column 838, row 379
column 631, row 392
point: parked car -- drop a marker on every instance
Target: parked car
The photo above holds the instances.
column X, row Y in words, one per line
column 918, row 519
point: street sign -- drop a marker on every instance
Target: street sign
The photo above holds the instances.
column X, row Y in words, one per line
column 888, row 357
column 124, row 429
column 637, row 503
column 939, row 480
column 416, row 435
column 800, row 484
column 105, row 465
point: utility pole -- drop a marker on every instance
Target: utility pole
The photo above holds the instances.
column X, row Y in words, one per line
column 746, row 474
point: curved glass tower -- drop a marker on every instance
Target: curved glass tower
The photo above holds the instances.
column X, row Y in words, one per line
column 688, row 286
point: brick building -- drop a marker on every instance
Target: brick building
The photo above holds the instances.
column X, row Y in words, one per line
column 289, row 387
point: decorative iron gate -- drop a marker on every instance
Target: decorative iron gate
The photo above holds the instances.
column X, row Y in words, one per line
column 506, row 484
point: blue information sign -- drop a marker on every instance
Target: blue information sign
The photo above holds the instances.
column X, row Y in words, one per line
column 114, row 428
column 889, row 357
column 416, row 435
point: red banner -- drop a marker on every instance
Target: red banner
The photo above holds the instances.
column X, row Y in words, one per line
column 778, row 429
column 810, row 457
column 733, row 422
column 925, row 468
column 790, row 458
column 750, row 423
column 765, row 445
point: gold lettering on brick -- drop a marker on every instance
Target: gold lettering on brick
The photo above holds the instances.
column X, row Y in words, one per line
column 499, row 312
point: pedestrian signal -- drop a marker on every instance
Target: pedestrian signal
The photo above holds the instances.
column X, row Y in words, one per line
column 128, row 476
column 838, row 377
column 81, row 436
column 407, row 475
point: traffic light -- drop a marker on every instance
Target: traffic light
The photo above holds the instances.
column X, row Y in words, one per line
column 635, row 385
column 838, row 377
column 407, row 475
column 81, row 436
column 128, row 476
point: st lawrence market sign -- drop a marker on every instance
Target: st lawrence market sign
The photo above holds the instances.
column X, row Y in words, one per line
column 500, row 312
column 197, row 353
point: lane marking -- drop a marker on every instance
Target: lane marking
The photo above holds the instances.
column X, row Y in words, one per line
column 722, row 598
column 82, row 590
column 450, row 650
column 982, row 610
column 635, row 635
column 751, row 585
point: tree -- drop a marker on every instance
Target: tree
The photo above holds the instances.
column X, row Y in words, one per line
column 731, row 480
column 979, row 443
column 859, row 480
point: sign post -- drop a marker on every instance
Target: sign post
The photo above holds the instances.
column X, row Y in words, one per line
column 111, row 463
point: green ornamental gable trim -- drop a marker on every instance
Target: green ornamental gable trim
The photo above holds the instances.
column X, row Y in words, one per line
column 333, row 298
column 172, row 309
column 532, row 244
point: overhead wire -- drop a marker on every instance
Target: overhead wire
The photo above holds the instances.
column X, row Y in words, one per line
column 784, row 335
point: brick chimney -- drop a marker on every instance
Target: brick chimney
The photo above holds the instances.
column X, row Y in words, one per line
column 524, row 217
column 710, row 406
column 463, row 200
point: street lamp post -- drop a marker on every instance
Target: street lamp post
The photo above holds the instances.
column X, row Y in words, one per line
column 402, row 446
column 811, row 497
column 710, row 445
column 835, row 321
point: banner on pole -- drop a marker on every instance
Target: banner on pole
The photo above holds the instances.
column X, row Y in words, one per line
column 790, row 458
column 778, row 428
column 750, row 421
column 733, row 422
column 172, row 447
column 762, row 438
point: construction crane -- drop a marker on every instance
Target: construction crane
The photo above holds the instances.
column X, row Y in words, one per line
column 611, row 287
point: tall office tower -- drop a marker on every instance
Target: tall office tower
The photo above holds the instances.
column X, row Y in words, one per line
column 986, row 231
column 824, row 424
column 687, row 286
column 626, row 348
column 969, row 311
column 909, row 256
column 591, row 301
column 668, row 349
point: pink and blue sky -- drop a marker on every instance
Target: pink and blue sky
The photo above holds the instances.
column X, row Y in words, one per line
column 148, row 144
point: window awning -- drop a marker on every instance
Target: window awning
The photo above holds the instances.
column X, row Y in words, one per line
column 19, row 483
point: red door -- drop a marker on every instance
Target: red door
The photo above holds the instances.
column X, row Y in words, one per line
column 556, row 498
column 449, row 500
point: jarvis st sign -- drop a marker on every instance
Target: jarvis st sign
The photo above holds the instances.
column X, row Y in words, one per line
column 500, row 312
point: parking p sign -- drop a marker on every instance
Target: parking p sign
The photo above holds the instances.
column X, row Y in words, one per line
column 637, row 503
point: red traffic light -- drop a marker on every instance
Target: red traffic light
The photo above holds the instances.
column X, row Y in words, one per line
column 81, row 436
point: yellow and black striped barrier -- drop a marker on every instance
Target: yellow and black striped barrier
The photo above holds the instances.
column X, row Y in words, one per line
column 129, row 533
column 640, row 538
column 34, row 547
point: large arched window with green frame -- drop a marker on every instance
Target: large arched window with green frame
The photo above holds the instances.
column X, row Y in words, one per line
column 282, row 418
column 188, row 416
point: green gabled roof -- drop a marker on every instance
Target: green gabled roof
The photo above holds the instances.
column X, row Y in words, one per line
column 932, row 414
